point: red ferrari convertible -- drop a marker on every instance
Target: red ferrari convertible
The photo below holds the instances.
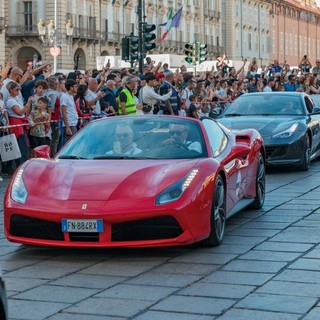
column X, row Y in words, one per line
column 137, row 182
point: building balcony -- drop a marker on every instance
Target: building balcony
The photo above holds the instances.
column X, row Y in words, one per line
column 112, row 37
column 212, row 14
column 22, row 31
column 86, row 34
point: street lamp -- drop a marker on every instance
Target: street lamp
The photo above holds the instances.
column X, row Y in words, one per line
column 52, row 38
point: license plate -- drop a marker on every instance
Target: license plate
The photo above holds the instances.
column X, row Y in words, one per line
column 82, row 225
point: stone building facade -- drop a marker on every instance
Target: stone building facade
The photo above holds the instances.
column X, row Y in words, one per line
column 264, row 29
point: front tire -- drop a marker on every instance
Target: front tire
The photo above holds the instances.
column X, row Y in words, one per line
column 306, row 155
column 260, row 184
column 218, row 214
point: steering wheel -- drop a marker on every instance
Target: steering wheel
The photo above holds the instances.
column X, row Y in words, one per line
column 181, row 145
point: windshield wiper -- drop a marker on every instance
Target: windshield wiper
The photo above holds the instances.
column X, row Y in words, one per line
column 233, row 115
column 121, row 157
column 71, row 157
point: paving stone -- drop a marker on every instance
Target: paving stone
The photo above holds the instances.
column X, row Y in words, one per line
column 243, row 240
column 56, row 294
column 116, row 268
column 278, row 303
column 39, row 271
column 249, row 232
column 315, row 253
column 88, row 281
column 267, row 225
column 110, row 307
column 136, row 292
column 240, row 314
column 284, row 246
column 277, row 216
column 23, row 284
column 161, row 279
column 313, row 314
column 186, row 268
column 159, row 315
column 270, row 256
column 200, row 305
column 68, row 316
column 206, row 258
column 291, row 288
column 299, row 276
column 26, row 310
column 254, row 266
column 231, row 291
column 245, row 278
column 306, row 264
column 229, row 248
column 300, row 235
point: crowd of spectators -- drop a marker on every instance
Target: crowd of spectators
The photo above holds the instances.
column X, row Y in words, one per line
column 49, row 108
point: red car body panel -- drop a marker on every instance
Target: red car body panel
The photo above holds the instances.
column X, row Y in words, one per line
column 122, row 191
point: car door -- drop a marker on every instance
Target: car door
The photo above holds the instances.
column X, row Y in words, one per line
column 314, row 124
column 233, row 164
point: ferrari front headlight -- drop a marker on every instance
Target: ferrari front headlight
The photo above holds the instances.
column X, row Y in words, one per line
column 175, row 191
column 286, row 133
column 19, row 192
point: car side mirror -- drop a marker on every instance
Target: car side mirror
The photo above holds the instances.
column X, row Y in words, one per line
column 316, row 109
column 42, row 152
column 241, row 150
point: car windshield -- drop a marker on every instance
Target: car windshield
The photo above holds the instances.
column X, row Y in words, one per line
column 145, row 137
column 265, row 105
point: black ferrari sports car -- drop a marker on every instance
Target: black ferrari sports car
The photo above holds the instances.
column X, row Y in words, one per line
column 288, row 122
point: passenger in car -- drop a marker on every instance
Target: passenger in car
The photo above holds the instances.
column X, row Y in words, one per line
column 123, row 142
column 178, row 137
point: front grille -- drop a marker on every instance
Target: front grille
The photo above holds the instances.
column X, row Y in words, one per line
column 272, row 152
column 22, row 226
column 84, row 236
column 147, row 229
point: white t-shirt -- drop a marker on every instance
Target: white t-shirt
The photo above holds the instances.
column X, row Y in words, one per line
column 90, row 96
column 14, row 101
column 72, row 115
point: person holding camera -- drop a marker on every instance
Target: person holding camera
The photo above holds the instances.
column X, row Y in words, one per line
column 148, row 96
column 305, row 65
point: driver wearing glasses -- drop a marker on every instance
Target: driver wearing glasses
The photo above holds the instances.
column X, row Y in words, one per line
column 123, row 143
column 178, row 137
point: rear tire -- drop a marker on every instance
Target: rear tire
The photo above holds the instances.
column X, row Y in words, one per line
column 260, row 184
column 218, row 214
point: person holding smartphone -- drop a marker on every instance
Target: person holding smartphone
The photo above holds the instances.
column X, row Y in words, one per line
column 305, row 65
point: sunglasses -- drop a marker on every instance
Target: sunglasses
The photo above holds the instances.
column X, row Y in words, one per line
column 122, row 135
column 178, row 133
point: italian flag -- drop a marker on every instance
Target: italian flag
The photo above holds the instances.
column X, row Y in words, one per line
column 168, row 25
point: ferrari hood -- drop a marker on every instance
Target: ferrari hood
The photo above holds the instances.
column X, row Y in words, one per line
column 266, row 125
column 102, row 179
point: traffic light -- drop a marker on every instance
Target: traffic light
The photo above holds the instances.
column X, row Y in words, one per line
column 148, row 36
column 133, row 47
column 202, row 52
column 125, row 48
column 189, row 52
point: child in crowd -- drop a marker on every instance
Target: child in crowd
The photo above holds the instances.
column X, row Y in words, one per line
column 193, row 112
column 38, row 129
column 40, row 87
